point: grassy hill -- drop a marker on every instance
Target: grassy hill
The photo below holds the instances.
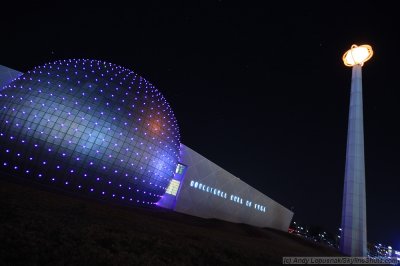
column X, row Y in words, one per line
column 42, row 227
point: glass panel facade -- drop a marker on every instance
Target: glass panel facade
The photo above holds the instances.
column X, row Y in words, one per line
column 91, row 126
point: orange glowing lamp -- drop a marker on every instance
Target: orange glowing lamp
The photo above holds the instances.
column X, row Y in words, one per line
column 357, row 55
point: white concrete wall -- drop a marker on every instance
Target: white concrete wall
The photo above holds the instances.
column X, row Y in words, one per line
column 7, row 75
column 199, row 202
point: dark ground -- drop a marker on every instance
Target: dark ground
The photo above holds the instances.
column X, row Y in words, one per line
column 42, row 227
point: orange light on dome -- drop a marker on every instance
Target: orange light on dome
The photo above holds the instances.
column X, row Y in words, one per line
column 357, row 55
column 154, row 125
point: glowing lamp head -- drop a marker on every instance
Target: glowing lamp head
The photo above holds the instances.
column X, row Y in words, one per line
column 357, row 55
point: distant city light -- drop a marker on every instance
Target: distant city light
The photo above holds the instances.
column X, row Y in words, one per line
column 357, row 55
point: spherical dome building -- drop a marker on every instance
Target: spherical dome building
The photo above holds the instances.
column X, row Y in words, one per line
column 89, row 126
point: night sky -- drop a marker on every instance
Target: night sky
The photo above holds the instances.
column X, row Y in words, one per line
column 259, row 90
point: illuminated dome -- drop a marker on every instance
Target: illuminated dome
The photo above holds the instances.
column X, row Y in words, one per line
column 90, row 126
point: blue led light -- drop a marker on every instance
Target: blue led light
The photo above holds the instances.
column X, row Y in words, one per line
column 78, row 120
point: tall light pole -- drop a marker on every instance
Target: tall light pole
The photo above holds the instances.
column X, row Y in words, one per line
column 353, row 239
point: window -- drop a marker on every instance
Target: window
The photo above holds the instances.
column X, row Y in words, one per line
column 173, row 187
column 179, row 168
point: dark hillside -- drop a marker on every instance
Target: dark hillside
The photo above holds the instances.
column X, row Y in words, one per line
column 42, row 227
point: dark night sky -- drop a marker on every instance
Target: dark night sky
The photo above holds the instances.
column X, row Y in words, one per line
column 259, row 90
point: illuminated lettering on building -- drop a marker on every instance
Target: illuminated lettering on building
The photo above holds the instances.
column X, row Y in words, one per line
column 219, row 193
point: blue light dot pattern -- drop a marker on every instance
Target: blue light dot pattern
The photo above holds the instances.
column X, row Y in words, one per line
column 89, row 126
